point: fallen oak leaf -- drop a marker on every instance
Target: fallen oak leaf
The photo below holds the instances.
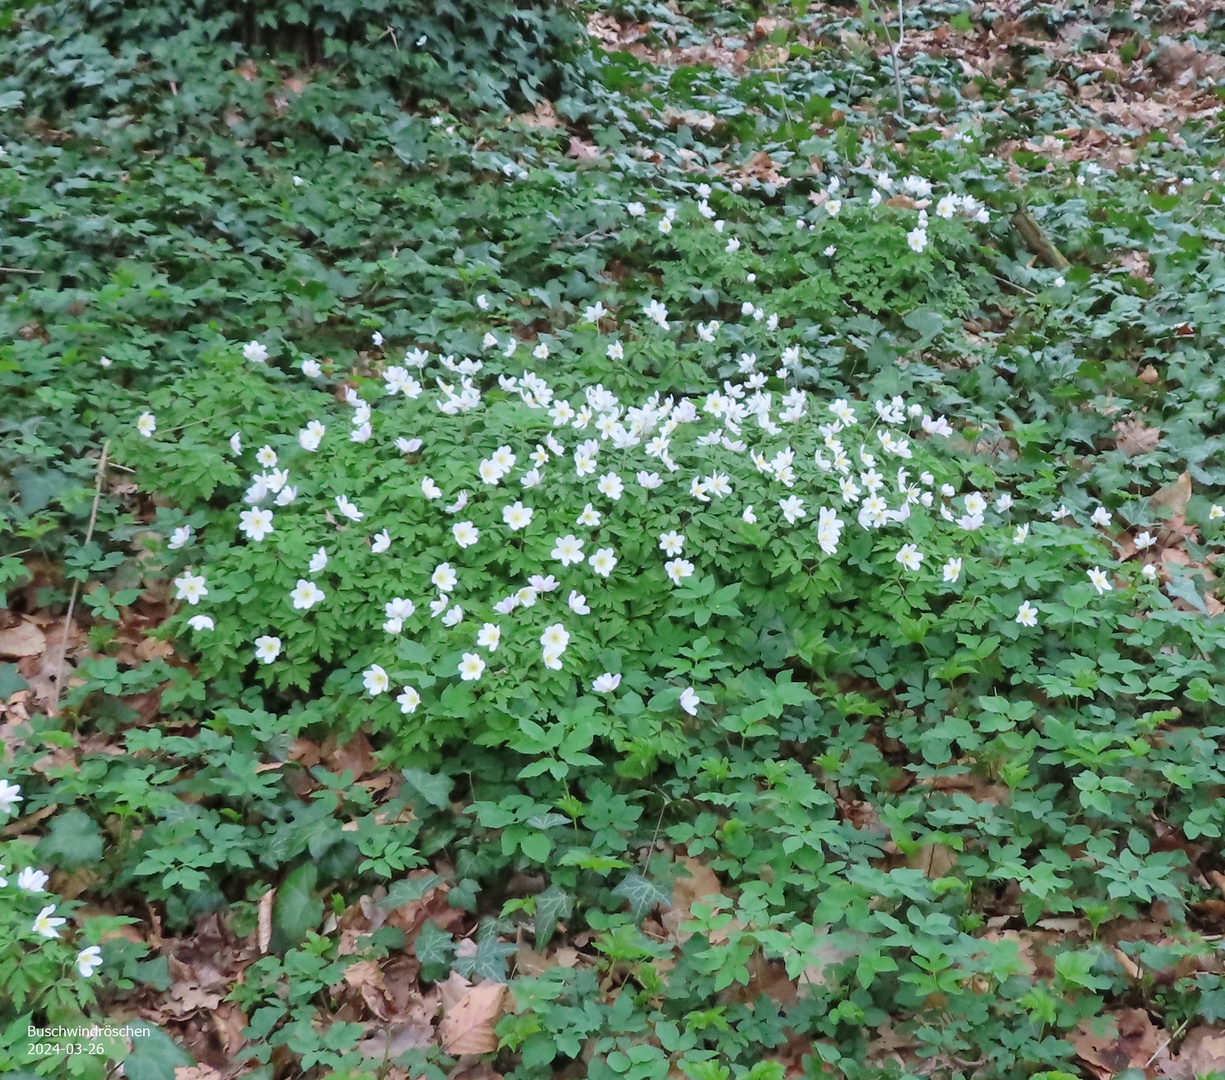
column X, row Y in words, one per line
column 1109, row 1044
column 264, row 928
column 24, row 639
column 366, row 977
column 1173, row 497
column 1202, row 1054
column 467, row 1028
column 196, row 1072
column 581, row 150
column 1134, row 437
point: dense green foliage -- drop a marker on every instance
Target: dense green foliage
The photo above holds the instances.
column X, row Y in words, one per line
column 890, row 774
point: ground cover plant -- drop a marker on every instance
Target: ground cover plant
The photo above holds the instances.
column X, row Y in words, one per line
column 634, row 540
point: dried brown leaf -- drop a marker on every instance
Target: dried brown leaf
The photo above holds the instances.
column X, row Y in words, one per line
column 467, row 1027
column 583, row 151
column 1202, row 1054
column 24, row 639
column 264, row 930
column 366, row 977
column 1134, row 437
column 1124, row 1039
column 354, row 756
column 543, row 116
column 1173, row 497
column 699, row 881
column 935, row 860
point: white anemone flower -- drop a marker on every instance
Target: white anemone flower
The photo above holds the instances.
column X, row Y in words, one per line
column 568, row 549
column 603, row 561
column 32, row 881
column 10, row 795
column 267, row 649
column 190, row 587
column 47, row 923
column 517, row 516
column 88, row 961
column 1100, row 580
column 375, row 680
column 671, row 543
column 306, row 595
column 678, row 570
column 255, row 523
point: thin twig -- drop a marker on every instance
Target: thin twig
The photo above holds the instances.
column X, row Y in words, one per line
column 203, row 420
column 646, row 861
column 20, row 270
column 894, row 48
column 1012, row 284
column 76, row 585
column 1177, row 1031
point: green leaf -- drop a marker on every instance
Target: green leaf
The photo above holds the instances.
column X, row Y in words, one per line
column 552, row 905
column 642, row 894
column 536, row 846
column 433, row 788
column 74, row 841
column 434, row 947
column 1182, row 587
column 408, row 890
column 490, row 959
column 154, row 1056
column 927, row 322
column 297, row 910
column 10, row 681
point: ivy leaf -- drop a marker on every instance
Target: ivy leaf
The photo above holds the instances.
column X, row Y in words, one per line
column 552, row 905
column 434, row 948
column 409, row 890
column 297, row 909
column 927, row 322
column 434, row 788
column 1182, row 587
column 154, row 1056
column 489, row 960
column 10, row 681
column 642, row 894
column 74, row 841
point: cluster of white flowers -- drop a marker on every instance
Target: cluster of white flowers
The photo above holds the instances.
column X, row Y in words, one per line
column 656, row 428
column 861, row 471
column 33, row 882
